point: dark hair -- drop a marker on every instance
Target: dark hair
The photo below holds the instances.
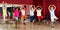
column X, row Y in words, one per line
column 32, row 6
column 17, row 7
column 25, row 6
column 39, row 8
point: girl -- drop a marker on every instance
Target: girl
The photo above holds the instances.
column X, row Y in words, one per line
column 23, row 16
column 39, row 16
column 52, row 8
column 4, row 12
column 16, row 15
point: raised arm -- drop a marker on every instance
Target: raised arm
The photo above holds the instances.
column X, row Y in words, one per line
column 32, row 7
column 2, row 3
column 54, row 7
column 49, row 7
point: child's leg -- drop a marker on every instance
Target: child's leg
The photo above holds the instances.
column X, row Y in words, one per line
column 39, row 19
column 31, row 21
column 24, row 18
column 31, row 25
column 16, row 19
column 52, row 22
column 4, row 19
column 9, row 14
column 27, row 25
column 22, row 21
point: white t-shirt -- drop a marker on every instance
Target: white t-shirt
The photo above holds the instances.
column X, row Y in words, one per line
column 38, row 12
column 23, row 12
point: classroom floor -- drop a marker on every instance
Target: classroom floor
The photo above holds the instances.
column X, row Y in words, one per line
column 4, row 26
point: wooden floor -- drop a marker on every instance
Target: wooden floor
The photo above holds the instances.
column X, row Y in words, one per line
column 34, row 27
column 4, row 26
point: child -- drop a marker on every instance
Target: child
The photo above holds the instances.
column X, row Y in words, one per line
column 16, row 15
column 52, row 8
column 23, row 16
column 9, row 12
column 4, row 12
column 32, row 14
column 32, row 17
column 39, row 16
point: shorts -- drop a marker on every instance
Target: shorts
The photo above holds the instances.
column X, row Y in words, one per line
column 16, row 18
column 32, row 18
column 39, row 18
column 23, row 17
